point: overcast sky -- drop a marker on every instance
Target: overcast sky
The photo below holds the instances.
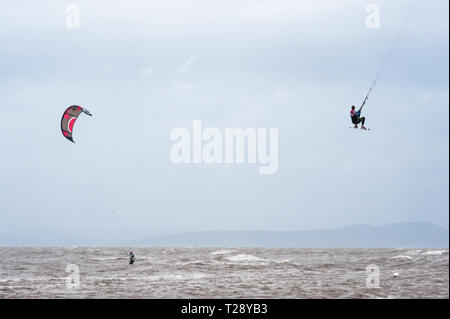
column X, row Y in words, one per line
column 143, row 68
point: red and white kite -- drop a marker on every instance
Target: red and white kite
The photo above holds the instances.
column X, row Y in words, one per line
column 68, row 119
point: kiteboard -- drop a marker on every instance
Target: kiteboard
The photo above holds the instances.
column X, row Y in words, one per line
column 358, row 128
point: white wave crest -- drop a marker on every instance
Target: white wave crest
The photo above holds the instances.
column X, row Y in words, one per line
column 109, row 258
column 178, row 277
column 413, row 252
column 402, row 257
column 195, row 262
column 435, row 252
column 244, row 258
column 223, row 252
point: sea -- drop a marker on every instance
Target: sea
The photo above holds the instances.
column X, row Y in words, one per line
column 188, row 272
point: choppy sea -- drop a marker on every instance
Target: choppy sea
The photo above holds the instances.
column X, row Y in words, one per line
column 79, row 272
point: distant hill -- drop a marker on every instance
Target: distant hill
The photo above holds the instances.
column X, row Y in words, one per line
column 416, row 235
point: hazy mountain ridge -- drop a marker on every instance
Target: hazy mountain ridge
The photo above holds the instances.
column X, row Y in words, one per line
column 415, row 235
column 358, row 236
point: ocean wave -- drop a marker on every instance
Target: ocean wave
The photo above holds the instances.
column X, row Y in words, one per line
column 286, row 262
column 192, row 263
column 144, row 258
column 108, row 258
column 111, row 279
column 435, row 252
column 223, row 252
column 2, row 280
column 251, row 259
column 413, row 252
column 178, row 277
column 245, row 258
column 402, row 257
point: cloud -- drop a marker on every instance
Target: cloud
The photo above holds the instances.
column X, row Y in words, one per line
column 186, row 66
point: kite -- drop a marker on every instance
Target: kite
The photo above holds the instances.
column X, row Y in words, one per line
column 68, row 120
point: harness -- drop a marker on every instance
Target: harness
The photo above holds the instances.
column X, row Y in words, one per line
column 355, row 116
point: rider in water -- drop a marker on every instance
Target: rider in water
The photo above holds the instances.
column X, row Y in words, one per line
column 356, row 117
column 131, row 258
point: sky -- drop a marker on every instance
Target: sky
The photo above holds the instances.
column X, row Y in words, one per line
column 144, row 68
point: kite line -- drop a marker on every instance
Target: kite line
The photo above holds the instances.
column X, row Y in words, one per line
column 390, row 52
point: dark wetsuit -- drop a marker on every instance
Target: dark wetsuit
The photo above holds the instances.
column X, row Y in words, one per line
column 356, row 119
column 131, row 259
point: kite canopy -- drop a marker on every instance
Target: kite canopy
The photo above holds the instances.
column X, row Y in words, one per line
column 68, row 119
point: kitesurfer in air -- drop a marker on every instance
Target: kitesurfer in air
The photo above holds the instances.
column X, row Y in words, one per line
column 131, row 258
column 356, row 117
